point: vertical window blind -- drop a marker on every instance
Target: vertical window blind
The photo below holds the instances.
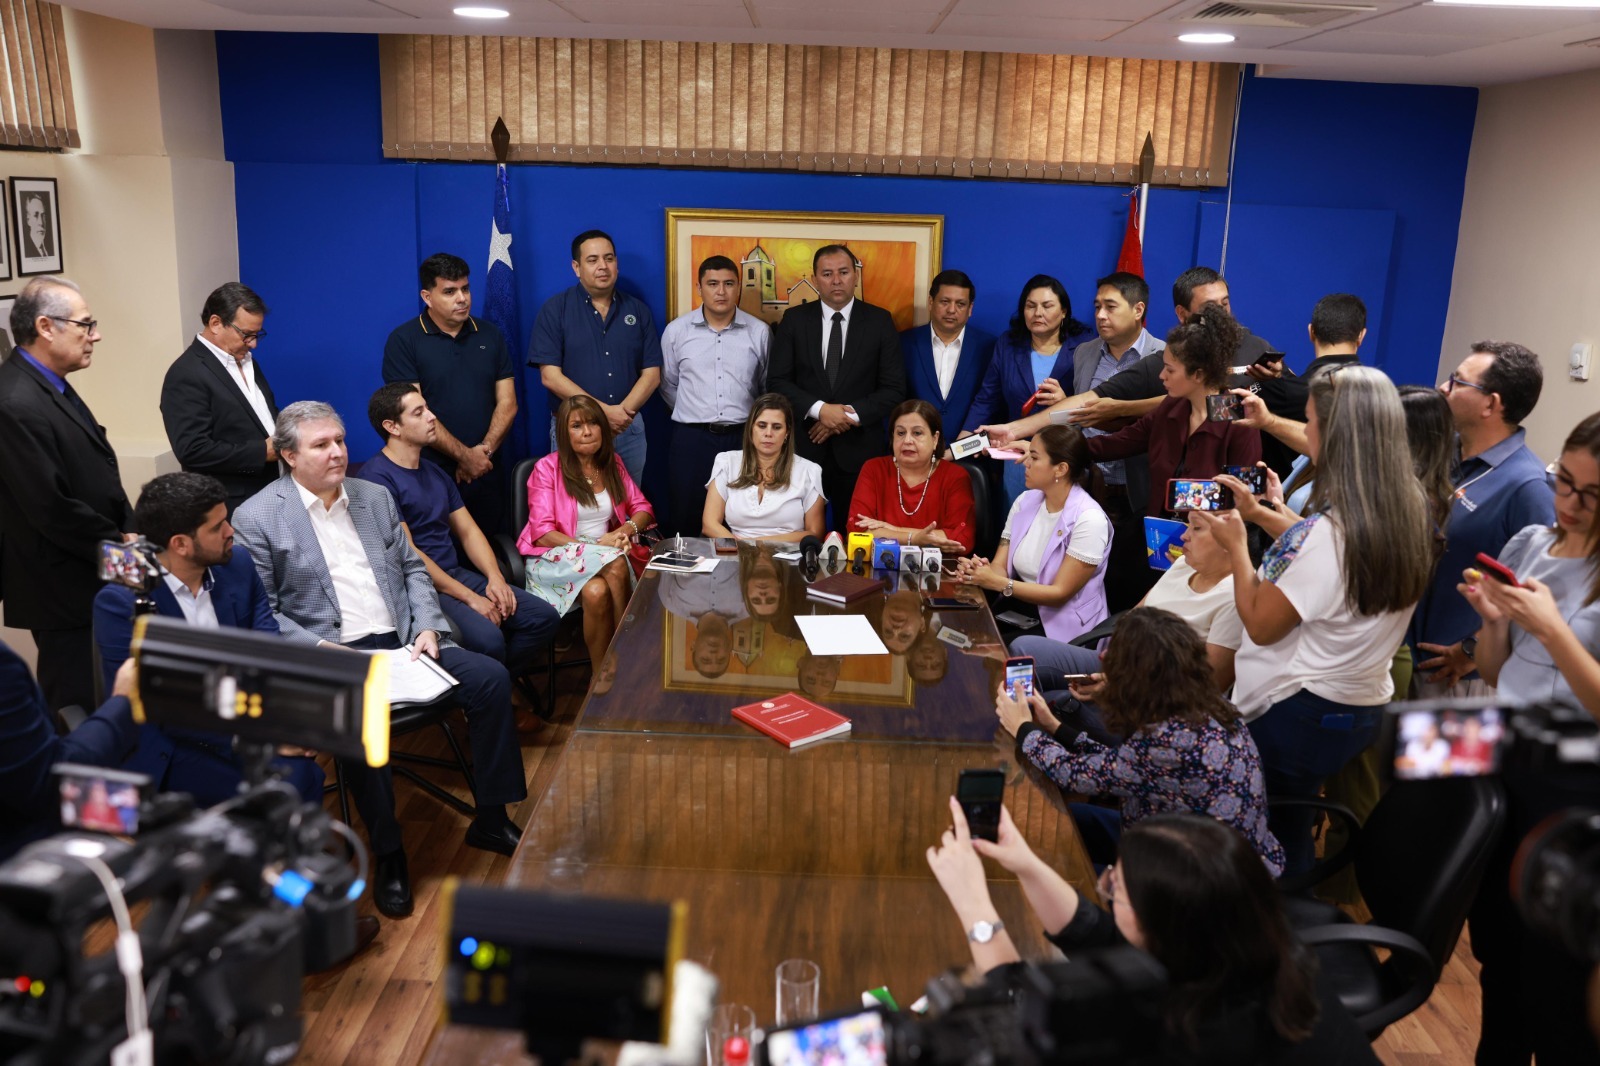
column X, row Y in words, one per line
column 36, row 108
column 808, row 108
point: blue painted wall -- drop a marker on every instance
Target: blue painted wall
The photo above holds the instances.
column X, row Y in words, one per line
column 330, row 232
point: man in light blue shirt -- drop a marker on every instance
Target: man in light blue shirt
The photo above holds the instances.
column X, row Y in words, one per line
column 713, row 366
column 1501, row 487
column 1120, row 301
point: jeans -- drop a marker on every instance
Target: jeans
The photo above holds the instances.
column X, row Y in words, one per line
column 1052, row 661
column 629, row 446
column 1303, row 740
column 514, row 643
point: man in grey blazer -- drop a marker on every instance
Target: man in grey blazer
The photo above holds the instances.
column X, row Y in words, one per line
column 340, row 571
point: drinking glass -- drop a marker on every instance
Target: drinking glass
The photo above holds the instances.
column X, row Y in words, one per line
column 727, row 1020
column 799, row 983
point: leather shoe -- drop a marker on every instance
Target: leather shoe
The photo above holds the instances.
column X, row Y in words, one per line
column 366, row 932
column 391, row 885
column 494, row 834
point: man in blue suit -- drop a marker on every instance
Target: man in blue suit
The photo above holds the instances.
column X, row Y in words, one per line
column 208, row 583
column 946, row 359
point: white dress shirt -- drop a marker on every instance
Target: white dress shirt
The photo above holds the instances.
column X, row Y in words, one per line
column 844, row 342
column 197, row 608
column 361, row 606
column 945, row 358
column 243, row 375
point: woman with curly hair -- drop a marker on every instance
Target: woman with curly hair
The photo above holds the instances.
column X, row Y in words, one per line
column 1186, row 749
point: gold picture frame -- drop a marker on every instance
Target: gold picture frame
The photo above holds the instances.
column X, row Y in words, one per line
column 898, row 256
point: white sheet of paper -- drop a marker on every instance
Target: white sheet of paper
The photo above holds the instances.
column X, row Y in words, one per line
column 420, row 680
column 840, row 634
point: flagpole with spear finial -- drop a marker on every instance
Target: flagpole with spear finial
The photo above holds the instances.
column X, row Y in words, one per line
column 1147, row 170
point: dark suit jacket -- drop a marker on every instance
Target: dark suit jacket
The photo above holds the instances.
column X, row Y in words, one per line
column 60, row 496
column 29, row 748
column 240, row 601
column 1009, row 381
column 872, row 379
column 212, row 427
column 922, row 377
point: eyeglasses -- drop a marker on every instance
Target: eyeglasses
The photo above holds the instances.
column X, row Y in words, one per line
column 1588, row 499
column 249, row 334
column 1452, row 381
column 88, row 325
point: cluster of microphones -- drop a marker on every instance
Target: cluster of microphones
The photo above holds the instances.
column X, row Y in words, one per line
column 865, row 552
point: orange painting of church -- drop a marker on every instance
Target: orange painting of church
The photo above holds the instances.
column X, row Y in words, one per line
column 775, row 273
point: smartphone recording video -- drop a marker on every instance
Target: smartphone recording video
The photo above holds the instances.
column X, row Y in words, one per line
column 856, row 1039
column 1020, row 668
column 1224, row 408
column 101, row 800
column 1448, row 742
column 980, row 793
column 1184, row 494
column 1253, row 476
column 124, row 564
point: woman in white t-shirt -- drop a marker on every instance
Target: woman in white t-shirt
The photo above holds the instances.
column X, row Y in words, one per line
column 1052, row 556
column 1324, row 614
column 765, row 491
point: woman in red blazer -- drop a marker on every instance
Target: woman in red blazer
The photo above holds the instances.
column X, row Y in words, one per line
column 910, row 495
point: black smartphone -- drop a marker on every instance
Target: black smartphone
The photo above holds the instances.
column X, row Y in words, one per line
column 1268, row 357
column 980, row 793
column 1194, row 494
column 1254, row 476
column 1225, row 407
column 725, row 545
column 950, row 603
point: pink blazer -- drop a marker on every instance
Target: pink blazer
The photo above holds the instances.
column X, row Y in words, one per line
column 552, row 508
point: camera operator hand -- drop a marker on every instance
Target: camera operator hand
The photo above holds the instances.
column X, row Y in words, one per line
column 959, row 872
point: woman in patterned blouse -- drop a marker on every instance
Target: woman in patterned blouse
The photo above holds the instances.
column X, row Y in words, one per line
column 1186, row 747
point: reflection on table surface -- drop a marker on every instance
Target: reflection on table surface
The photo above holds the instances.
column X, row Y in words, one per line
column 694, row 646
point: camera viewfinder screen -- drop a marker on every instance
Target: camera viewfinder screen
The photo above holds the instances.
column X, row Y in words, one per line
column 102, row 802
column 1448, row 743
column 855, row 1040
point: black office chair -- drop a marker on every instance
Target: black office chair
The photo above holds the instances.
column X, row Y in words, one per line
column 984, row 532
column 1092, row 639
column 513, row 570
column 1418, row 860
column 411, row 719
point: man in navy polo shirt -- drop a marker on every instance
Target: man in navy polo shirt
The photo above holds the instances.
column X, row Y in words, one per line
column 1501, row 487
column 463, row 367
column 506, row 624
column 596, row 340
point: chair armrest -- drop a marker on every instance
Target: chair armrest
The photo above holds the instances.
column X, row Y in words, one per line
column 1329, row 865
column 1421, row 971
column 1092, row 638
column 510, row 560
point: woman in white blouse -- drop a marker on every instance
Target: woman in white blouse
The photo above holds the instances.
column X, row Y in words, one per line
column 765, row 491
column 1052, row 555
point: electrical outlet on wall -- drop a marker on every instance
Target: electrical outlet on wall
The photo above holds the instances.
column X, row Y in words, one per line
column 1578, row 361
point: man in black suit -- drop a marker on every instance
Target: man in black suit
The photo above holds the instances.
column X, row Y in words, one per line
column 843, row 377
column 60, row 490
column 218, row 408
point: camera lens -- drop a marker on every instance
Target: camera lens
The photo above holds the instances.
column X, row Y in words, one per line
column 1555, row 880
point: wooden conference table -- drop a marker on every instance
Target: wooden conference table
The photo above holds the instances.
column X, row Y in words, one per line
column 817, row 852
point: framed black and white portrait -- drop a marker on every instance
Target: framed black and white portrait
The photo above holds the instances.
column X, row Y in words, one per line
column 5, row 239
column 7, row 344
column 36, row 222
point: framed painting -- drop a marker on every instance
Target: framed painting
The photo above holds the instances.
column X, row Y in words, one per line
column 36, row 219
column 897, row 256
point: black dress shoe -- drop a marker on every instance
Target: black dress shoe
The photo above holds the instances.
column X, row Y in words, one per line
column 366, row 932
column 391, row 885
column 494, row 834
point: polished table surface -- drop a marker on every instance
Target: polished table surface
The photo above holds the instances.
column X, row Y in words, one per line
column 817, row 852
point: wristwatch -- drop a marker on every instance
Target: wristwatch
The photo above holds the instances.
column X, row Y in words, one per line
column 983, row 932
column 1469, row 648
column 1009, row 586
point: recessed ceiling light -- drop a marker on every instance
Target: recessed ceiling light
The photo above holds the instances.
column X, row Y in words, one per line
column 1521, row 3
column 483, row 13
column 1206, row 38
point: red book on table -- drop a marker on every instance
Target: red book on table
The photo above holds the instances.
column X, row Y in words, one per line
column 792, row 720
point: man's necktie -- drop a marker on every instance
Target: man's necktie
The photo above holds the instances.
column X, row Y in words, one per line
column 835, row 349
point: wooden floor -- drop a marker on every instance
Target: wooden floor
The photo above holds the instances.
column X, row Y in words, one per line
column 384, row 1006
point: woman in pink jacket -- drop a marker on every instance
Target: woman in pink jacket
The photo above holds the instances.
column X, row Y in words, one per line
column 583, row 513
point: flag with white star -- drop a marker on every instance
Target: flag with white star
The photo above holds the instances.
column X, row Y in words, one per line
column 500, row 300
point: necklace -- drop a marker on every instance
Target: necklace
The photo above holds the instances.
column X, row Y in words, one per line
column 900, row 488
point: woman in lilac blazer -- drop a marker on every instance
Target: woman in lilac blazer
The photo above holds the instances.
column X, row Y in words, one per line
column 583, row 513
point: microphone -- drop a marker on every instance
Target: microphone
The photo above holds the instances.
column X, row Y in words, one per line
column 810, row 551
column 886, row 553
column 911, row 558
column 833, row 547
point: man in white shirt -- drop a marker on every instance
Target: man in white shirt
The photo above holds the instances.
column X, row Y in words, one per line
column 215, row 401
column 340, row 571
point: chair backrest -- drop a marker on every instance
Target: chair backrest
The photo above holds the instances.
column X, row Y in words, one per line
column 519, row 493
column 983, row 531
column 1424, row 850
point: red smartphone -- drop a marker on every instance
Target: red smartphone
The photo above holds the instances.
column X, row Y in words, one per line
column 1028, row 404
column 1497, row 570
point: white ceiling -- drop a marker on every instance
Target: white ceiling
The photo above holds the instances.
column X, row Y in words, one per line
column 1392, row 40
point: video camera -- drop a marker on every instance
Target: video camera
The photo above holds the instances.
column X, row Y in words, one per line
column 244, row 898
column 1556, row 874
column 1102, row 1007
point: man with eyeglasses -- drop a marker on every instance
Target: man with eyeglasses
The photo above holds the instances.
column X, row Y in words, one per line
column 60, row 489
column 215, row 401
column 1501, row 487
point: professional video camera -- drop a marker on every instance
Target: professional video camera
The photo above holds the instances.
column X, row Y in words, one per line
column 1556, row 875
column 243, row 898
column 1102, row 1007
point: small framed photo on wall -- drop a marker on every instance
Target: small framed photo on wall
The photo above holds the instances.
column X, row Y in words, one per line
column 5, row 241
column 36, row 221
column 9, row 345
